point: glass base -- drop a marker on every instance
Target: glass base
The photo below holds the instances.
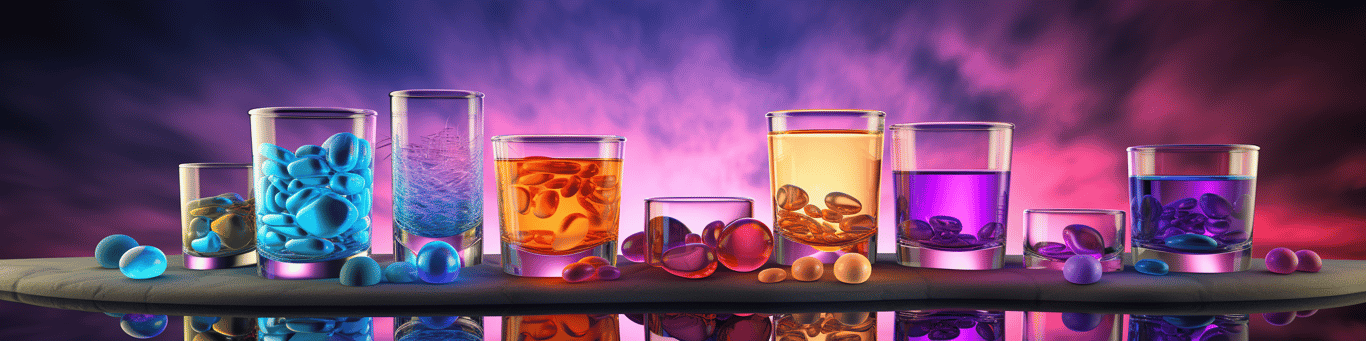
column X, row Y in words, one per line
column 469, row 246
column 220, row 262
column 786, row 251
column 923, row 257
column 524, row 263
column 272, row 269
column 1232, row 261
column 1040, row 262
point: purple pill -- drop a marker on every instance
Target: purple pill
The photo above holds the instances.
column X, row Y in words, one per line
column 946, row 225
column 1306, row 313
column 1215, row 206
column 1081, row 322
column 578, row 272
column 1309, row 261
column 991, row 231
column 608, row 273
column 1081, row 270
column 1279, row 318
column 1282, row 261
column 1217, row 226
column 1233, row 237
column 712, row 232
column 917, row 230
column 633, row 247
column 1047, row 248
column 1183, row 204
column 1083, row 240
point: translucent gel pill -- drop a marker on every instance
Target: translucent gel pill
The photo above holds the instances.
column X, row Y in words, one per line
column 143, row 262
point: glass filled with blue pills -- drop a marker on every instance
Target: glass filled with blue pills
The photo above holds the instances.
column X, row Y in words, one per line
column 314, row 186
column 1192, row 205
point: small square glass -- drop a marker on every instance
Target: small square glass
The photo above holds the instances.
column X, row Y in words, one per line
column 1054, row 235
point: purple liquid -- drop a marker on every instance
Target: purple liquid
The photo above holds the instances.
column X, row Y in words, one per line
column 931, row 205
column 949, row 325
column 1190, row 327
column 1218, row 207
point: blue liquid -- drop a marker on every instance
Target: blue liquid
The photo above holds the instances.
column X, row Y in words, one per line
column 1219, row 207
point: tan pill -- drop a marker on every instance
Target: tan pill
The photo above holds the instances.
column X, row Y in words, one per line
column 807, row 269
column 773, row 275
column 852, row 268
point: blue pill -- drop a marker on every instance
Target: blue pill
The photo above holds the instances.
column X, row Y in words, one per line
column 1151, row 267
column 142, row 262
column 1191, row 242
column 272, row 240
column 274, row 152
column 211, row 242
column 354, row 325
column 1188, row 321
column 360, row 271
column 203, row 324
column 111, row 248
column 307, row 167
column 199, row 226
column 437, row 322
column 327, row 216
column 278, row 205
column 1081, row 322
column 297, row 201
column 309, row 246
column 366, row 155
column 275, row 169
column 401, row 272
column 288, row 231
column 313, row 181
column 309, row 150
column 143, row 326
column 362, row 201
column 438, row 263
column 343, row 151
column 347, row 183
column 310, row 325
column 277, row 219
column 1081, row 269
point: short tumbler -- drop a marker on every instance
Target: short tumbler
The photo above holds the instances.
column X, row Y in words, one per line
column 438, row 177
column 1192, row 205
column 1054, row 235
column 825, row 166
column 952, row 184
column 671, row 221
column 314, row 173
column 559, row 200
column 218, row 215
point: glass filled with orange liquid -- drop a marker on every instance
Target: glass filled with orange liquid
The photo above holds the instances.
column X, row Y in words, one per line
column 559, row 200
column 824, row 166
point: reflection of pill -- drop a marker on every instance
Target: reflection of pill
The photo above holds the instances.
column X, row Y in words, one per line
column 773, row 275
column 807, row 269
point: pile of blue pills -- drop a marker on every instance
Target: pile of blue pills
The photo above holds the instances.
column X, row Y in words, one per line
column 134, row 261
column 314, row 203
column 314, row 328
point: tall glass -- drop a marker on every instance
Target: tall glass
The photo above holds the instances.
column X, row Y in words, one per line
column 952, row 183
column 1192, row 205
column 218, row 215
column 559, row 200
column 1045, row 326
column 669, row 221
column 314, row 174
column 438, row 149
column 824, row 166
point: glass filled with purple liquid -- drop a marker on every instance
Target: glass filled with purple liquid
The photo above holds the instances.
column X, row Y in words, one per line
column 952, row 182
column 1192, row 205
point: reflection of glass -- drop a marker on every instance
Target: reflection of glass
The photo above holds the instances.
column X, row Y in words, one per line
column 314, row 174
column 703, row 216
column 453, row 328
column 856, row 326
column 315, row 328
column 1192, row 205
column 218, row 215
column 1187, row 327
column 952, row 184
column 703, row 327
column 962, row 325
column 1053, row 235
column 825, row 166
column 569, row 327
column 438, row 163
column 559, row 200
column 198, row 328
column 1042, row 326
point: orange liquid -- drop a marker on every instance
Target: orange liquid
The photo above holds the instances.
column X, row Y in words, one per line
column 558, row 206
column 825, row 186
column 561, row 328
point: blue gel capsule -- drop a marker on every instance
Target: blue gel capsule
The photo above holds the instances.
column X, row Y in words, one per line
column 274, row 152
column 296, row 202
column 306, row 167
column 1151, row 267
column 272, row 240
column 142, row 262
column 202, row 324
column 365, row 157
column 143, row 326
column 277, row 219
column 362, row 201
column 327, row 216
column 288, row 231
column 313, row 181
column 437, row 263
column 309, row 150
column 278, row 205
column 310, row 325
column 360, row 271
column 1191, row 242
column 275, row 169
column 309, row 246
column 208, row 244
column 401, row 272
column 347, row 183
column 343, row 151
column 111, row 248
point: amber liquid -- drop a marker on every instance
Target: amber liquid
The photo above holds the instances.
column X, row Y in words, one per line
column 574, row 327
column 825, row 185
column 553, row 206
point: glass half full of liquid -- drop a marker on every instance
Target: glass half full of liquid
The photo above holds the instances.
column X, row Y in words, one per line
column 1192, row 205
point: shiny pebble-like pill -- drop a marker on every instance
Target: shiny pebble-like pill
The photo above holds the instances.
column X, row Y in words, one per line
column 142, row 262
column 210, row 243
column 633, row 247
column 578, row 272
column 1083, row 240
column 1282, row 261
column 1081, row 270
column 143, row 326
column 608, row 273
column 772, row 275
column 1309, row 261
column 1191, row 242
column 807, row 269
column 744, row 245
column 111, row 248
column 852, row 268
column 401, row 272
column 437, row 263
column 360, row 271
column 1154, row 267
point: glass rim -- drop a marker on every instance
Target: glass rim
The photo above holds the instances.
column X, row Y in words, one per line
column 1075, row 211
column 700, row 199
column 436, row 93
column 207, row 165
column 558, row 138
column 311, row 112
column 955, row 125
column 827, row 112
column 1194, row 148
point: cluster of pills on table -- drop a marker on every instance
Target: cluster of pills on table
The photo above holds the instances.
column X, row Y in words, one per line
column 315, row 328
column 1283, row 261
column 134, row 261
column 222, row 223
column 315, row 201
column 850, row 268
column 590, row 268
column 744, row 245
column 436, row 263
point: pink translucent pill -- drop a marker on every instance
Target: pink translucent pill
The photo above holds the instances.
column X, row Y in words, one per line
column 578, row 272
column 633, row 247
column 690, row 261
column 712, row 232
column 693, row 238
column 1309, row 261
column 1282, row 261
column 608, row 273
column 745, row 245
